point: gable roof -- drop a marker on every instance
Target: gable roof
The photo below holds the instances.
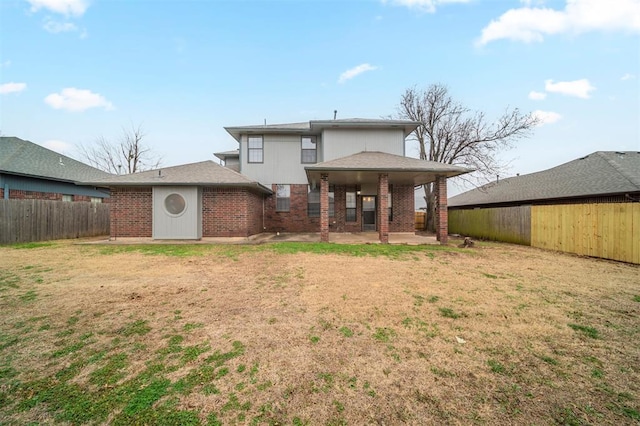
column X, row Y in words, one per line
column 24, row 158
column 204, row 173
column 316, row 126
column 363, row 166
column 598, row 174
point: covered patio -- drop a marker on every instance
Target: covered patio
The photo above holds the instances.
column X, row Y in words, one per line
column 380, row 170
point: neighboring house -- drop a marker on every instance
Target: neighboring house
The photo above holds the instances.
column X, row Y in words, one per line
column 30, row 171
column 587, row 206
column 317, row 176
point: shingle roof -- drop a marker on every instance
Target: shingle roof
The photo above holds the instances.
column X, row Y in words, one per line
column 371, row 163
column 26, row 158
column 204, row 173
column 599, row 174
column 224, row 154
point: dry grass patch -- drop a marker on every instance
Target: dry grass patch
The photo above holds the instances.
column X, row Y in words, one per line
column 316, row 334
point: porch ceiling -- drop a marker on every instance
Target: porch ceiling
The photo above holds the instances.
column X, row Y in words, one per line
column 365, row 167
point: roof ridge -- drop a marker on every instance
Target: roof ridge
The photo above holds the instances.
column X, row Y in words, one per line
column 617, row 167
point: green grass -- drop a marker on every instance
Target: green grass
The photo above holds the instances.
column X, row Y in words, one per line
column 186, row 250
column 138, row 327
column 346, row 331
column 384, row 335
column 496, row 367
column 32, row 245
column 449, row 313
column 586, row 330
column 8, row 280
column 636, row 298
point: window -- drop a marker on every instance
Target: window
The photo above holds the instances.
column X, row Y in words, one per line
column 67, row 197
column 96, row 200
column 313, row 202
column 309, row 151
column 351, row 207
column 390, row 203
column 283, row 198
column 175, row 204
column 256, row 151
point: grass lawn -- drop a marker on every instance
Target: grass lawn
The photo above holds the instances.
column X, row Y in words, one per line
column 298, row 334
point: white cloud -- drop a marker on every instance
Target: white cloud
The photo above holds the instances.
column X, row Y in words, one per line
column 423, row 5
column 627, row 76
column 55, row 27
column 537, row 96
column 528, row 24
column 63, row 7
column 12, row 87
column 350, row 73
column 577, row 88
column 58, row 146
column 546, row 117
column 5, row 64
column 72, row 99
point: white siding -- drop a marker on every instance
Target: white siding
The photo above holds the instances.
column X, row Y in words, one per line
column 282, row 163
column 342, row 142
column 187, row 225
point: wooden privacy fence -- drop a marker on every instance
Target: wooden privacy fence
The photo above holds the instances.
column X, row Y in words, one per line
column 509, row 224
column 610, row 231
column 606, row 230
column 24, row 221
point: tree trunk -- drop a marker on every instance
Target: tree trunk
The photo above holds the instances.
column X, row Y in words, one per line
column 430, row 199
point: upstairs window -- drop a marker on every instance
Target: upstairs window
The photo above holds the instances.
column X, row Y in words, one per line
column 309, row 149
column 283, row 198
column 255, row 146
column 67, row 197
column 313, row 202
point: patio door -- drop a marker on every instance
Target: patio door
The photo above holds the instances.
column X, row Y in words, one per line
column 368, row 213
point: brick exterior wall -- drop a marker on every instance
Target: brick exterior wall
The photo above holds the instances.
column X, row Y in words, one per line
column 383, row 203
column 131, row 212
column 238, row 212
column 403, row 206
column 18, row 194
column 231, row 212
column 442, row 217
column 296, row 219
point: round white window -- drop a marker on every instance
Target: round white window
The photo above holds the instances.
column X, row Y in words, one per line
column 175, row 204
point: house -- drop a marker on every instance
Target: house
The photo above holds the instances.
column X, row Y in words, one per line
column 318, row 176
column 30, row 171
column 588, row 206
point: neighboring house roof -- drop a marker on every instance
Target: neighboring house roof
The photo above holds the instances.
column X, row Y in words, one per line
column 24, row 158
column 316, row 126
column 205, row 173
column 599, row 174
column 361, row 167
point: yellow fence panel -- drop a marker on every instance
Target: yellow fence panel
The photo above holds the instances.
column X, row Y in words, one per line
column 608, row 230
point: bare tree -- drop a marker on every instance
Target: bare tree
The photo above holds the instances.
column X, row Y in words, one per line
column 128, row 155
column 453, row 134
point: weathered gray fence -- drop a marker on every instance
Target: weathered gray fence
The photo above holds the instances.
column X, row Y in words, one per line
column 24, row 221
column 510, row 224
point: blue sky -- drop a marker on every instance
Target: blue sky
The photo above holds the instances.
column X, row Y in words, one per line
column 75, row 70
